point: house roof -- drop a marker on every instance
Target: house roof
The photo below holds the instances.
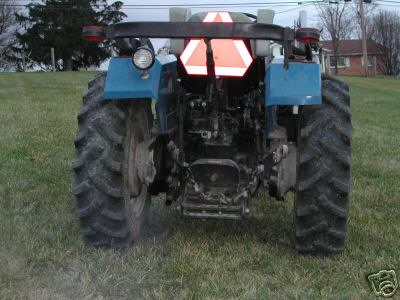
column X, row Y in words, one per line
column 353, row 47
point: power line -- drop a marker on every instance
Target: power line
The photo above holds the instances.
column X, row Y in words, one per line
column 292, row 9
column 296, row 4
column 221, row 4
column 158, row 7
column 195, row 5
column 206, row 4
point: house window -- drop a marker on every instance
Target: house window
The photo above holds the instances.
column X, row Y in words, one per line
column 370, row 60
column 343, row 62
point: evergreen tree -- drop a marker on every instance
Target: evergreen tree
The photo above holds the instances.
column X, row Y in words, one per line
column 58, row 24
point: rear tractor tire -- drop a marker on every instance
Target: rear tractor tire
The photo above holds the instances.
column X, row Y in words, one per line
column 323, row 171
column 112, row 202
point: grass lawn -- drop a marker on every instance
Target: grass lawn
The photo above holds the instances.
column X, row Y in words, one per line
column 43, row 257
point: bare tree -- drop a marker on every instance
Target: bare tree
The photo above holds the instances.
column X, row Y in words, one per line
column 369, row 11
column 336, row 21
column 385, row 27
column 8, row 25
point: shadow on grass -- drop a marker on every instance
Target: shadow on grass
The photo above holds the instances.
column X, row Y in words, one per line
column 270, row 222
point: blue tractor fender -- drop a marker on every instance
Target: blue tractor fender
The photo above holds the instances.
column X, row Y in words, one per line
column 299, row 84
column 125, row 81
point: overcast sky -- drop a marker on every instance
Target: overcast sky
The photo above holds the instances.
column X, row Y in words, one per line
column 282, row 17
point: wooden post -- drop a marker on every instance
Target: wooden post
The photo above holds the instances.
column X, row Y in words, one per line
column 53, row 59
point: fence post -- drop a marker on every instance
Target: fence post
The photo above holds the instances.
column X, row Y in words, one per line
column 53, row 59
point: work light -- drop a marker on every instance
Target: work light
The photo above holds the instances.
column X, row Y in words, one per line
column 308, row 35
column 143, row 58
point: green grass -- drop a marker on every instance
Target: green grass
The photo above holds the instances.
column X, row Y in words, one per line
column 42, row 255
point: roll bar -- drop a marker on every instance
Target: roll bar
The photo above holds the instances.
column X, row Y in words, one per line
column 200, row 30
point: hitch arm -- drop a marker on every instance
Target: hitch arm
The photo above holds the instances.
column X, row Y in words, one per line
column 275, row 157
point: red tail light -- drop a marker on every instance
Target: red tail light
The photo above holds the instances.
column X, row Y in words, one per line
column 231, row 57
column 307, row 35
column 93, row 33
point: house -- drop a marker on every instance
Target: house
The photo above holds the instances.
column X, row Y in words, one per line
column 350, row 60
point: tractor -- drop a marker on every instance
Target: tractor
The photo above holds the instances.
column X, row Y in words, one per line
column 231, row 104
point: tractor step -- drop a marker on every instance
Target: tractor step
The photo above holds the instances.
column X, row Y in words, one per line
column 212, row 211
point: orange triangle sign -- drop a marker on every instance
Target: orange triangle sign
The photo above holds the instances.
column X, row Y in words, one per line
column 231, row 57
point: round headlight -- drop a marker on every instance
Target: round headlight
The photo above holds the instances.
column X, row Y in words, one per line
column 143, row 58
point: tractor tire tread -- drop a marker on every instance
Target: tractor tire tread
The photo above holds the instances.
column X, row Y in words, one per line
column 323, row 178
column 97, row 167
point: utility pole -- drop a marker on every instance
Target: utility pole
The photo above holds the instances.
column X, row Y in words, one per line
column 363, row 36
column 53, row 59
